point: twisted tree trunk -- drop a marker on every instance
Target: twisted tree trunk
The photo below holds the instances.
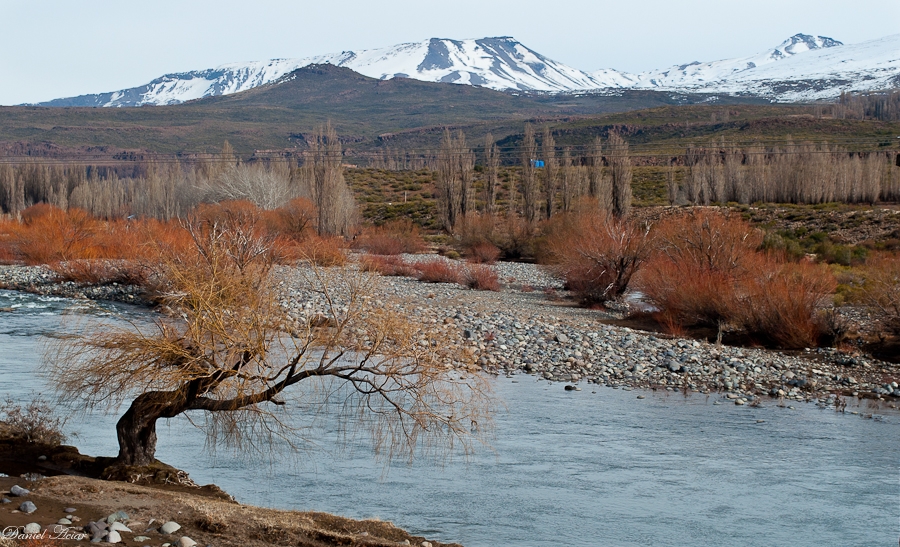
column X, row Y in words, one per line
column 136, row 429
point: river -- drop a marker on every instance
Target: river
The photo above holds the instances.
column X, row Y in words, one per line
column 591, row 467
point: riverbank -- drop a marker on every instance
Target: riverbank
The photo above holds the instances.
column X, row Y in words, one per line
column 65, row 503
column 530, row 327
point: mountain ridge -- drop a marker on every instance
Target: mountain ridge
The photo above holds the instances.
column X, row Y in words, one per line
column 802, row 68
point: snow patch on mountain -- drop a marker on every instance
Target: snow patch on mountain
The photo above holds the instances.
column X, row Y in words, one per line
column 803, row 67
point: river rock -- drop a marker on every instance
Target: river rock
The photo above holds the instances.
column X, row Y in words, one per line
column 186, row 542
column 118, row 515
column 142, row 538
column 69, row 510
column 28, row 507
column 113, row 537
column 561, row 338
column 170, row 527
column 32, row 528
column 6, row 500
column 19, row 491
column 64, row 522
column 119, row 527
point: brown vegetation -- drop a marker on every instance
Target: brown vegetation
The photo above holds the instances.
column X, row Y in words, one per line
column 226, row 353
column 597, row 255
column 392, row 238
column 707, row 271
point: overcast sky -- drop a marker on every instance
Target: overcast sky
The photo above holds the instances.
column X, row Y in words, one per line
column 60, row 48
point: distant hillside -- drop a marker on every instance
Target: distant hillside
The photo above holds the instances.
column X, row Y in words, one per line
column 367, row 113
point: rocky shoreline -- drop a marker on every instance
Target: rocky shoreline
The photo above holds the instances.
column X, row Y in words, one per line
column 528, row 327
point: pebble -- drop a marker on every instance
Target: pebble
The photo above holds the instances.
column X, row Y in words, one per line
column 64, row 522
column 170, row 527
column 69, row 510
column 142, row 538
column 117, row 516
column 18, row 491
column 32, row 528
column 119, row 527
column 186, row 542
column 28, row 507
column 113, row 537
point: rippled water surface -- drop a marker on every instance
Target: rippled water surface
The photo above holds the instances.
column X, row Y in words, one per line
column 591, row 467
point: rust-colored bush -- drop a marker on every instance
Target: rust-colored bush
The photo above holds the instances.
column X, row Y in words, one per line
column 701, row 260
column 102, row 272
column 708, row 272
column 323, row 251
column 483, row 252
column 781, row 302
column 387, row 265
column 392, row 238
column 296, row 220
column 596, row 255
column 481, row 278
column 48, row 234
column 440, row 271
column 879, row 290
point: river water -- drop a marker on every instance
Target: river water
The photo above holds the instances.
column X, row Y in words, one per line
column 592, row 467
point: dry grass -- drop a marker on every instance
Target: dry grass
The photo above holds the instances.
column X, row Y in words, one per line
column 35, row 422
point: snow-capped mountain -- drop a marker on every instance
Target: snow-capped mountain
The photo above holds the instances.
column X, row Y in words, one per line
column 699, row 74
column 802, row 68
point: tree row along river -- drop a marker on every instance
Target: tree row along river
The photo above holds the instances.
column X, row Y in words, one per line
column 590, row 467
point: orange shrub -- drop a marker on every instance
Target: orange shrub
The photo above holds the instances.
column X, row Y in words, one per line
column 387, row 265
column 322, row 251
column 781, row 303
column 295, row 220
column 707, row 271
column 48, row 234
column 880, row 290
column 440, row 271
column 483, row 252
column 481, row 278
column 597, row 255
column 101, row 272
column 392, row 238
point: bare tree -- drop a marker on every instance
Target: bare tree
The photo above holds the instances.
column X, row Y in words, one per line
column 448, row 183
column 466, row 159
column 620, row 167
column 529, row 176
column 334, row 201
column 230, row 352
column 550, row 172
column 491, row 173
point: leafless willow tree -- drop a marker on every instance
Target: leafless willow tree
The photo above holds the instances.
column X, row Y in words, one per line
column 230, row 353
column 491, row 173
column 323, row 174
column 529, row 185
column 550, row 172
column 599, row 185
column 455, row 176
column 620, row 170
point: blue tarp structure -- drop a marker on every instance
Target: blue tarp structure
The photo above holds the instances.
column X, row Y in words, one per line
column 537, row 163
